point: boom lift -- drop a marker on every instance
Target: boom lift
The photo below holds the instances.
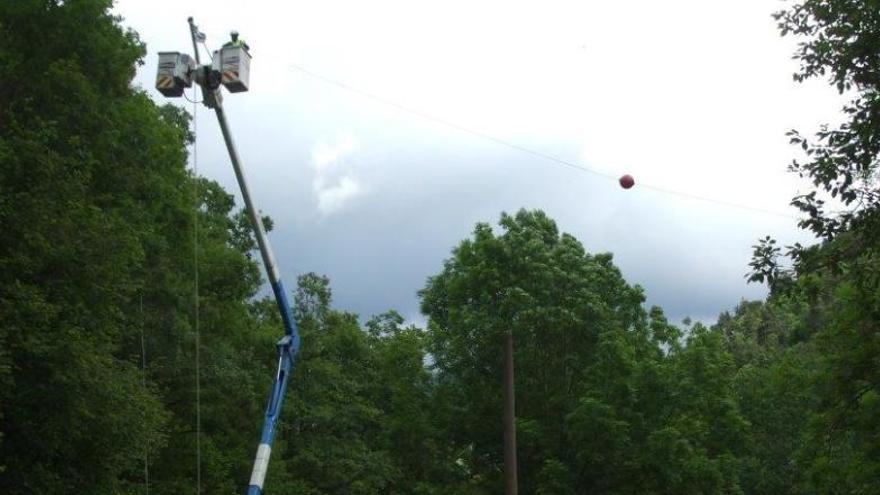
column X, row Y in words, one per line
column 230, row 67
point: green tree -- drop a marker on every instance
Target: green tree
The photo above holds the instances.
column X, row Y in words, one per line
column 839, row 41
column 594, row 372
column 96, row 267
column 76, row 417
column 335, row 425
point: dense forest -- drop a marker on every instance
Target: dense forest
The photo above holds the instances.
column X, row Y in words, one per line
column 98, row 330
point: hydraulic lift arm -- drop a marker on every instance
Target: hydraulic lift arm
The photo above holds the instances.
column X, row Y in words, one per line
column 288, row 346
column 230, row 67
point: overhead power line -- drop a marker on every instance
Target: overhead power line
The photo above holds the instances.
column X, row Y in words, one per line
column 526, row 150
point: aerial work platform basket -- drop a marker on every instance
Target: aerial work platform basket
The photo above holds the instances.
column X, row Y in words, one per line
column 174, row 73
column 234, row 64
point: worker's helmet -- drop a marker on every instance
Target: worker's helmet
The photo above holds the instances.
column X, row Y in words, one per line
column 234, row 35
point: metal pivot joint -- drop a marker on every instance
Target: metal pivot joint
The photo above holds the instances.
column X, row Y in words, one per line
column 230, row 68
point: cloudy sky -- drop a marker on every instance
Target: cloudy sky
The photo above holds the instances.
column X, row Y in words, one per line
column 686, row 95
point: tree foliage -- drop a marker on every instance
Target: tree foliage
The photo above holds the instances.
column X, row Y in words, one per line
column 102, row 224
column 837, row 280
column 608, row 399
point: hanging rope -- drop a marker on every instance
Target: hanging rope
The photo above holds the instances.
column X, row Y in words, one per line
column 196, row 297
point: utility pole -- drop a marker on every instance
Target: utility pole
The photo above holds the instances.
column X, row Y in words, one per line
column 230, row 67
column 510, row 482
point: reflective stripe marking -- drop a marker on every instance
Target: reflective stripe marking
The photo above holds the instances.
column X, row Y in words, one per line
column 165, row 82
column 230, row 76
column 260, row 464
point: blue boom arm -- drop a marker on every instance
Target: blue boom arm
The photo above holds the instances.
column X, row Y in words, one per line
column 287, row 349
column 288, row 346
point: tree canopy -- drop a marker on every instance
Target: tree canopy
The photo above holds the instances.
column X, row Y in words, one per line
column 102, row 223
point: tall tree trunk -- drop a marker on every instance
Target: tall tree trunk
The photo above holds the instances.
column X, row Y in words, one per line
column 510, row 484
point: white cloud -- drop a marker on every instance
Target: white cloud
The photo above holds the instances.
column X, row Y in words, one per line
column 687, row 95
column 324, row 154
column 334, row 186
column 332, row 199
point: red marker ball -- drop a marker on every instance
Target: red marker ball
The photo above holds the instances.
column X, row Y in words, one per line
column 627, row 181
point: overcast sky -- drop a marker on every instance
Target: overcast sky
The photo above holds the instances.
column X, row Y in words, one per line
column 690, row 96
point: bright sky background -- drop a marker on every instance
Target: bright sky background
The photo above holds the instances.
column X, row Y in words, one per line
column 687, row 95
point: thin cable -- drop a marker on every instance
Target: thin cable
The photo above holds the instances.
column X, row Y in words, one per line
column 529, row 151
column 191, row 100
column 196, row 299
column 144, row 385
column 453, row 125
column 205, row 46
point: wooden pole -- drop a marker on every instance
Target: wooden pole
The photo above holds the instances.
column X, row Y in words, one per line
column 510, row 483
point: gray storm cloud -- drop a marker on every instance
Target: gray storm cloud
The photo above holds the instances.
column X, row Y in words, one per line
column 376, row 197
